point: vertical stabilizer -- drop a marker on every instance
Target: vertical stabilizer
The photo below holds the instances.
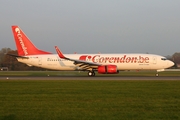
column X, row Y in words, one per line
column 24, row 46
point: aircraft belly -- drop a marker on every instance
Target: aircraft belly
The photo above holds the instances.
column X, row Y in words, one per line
column 60, row 65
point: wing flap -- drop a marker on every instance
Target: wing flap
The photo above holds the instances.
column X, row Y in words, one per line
column 80, row 63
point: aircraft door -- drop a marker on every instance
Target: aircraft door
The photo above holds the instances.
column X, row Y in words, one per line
column 154, row 60
column 39, row 61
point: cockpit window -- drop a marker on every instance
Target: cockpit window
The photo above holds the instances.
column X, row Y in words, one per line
column 163, row 59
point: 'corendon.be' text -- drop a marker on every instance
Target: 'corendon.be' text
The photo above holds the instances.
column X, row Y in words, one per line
column 124, row 59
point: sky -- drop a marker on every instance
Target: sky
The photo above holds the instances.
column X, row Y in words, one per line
column 93, row 26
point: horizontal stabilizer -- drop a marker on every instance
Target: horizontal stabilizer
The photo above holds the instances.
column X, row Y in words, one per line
column 13, row 55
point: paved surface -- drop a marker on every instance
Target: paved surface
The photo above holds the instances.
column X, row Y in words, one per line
column 90, row 78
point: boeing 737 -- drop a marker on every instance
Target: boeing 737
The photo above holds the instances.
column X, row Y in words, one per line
column 29, row 54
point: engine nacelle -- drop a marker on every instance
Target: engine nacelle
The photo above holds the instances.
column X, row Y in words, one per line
column 107, row 69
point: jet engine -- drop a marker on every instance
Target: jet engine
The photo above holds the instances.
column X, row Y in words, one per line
column 107, row 69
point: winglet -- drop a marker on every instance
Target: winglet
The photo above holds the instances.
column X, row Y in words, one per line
column 60, row 54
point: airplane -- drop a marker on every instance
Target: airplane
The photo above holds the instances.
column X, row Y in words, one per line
column 29, row 54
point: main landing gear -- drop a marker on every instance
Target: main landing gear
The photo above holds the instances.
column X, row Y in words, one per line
column 91, row 73
column 157, row 74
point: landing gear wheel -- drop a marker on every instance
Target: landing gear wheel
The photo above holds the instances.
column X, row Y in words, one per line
column 157, row 74
column 91, row 73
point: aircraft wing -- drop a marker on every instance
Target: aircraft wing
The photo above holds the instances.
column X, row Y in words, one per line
column 80, row 63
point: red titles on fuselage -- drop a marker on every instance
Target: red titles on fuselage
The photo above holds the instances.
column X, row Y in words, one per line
column 124, row 59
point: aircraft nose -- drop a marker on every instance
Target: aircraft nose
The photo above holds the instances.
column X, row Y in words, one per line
column 170, row 63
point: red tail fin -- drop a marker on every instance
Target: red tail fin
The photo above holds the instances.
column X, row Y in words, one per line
column 24, row 45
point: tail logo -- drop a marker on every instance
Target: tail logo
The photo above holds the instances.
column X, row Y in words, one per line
column 19, row 37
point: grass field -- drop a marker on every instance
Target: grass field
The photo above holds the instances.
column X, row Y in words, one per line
column 85, row 99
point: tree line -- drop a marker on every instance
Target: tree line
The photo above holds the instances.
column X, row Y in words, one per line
column 12, row 64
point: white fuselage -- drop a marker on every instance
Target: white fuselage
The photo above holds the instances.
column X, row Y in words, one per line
column 122, row 61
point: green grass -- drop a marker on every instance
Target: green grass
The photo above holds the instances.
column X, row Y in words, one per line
column 85, row 99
